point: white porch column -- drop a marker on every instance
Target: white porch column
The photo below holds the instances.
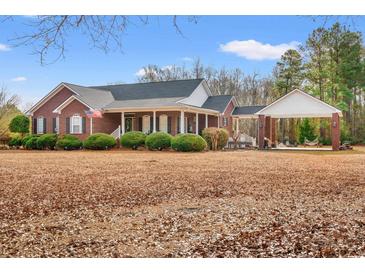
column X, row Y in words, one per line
column 206, row 120
column 123, row 123
column 91, row 125
column 154, row 121
column 182, row 122
column 218, row 118
column 196, row 123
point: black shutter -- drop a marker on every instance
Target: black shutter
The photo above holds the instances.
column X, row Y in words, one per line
column 54, row 125
column 178, row 124
column 68, row 125
column 35, row 126
column 151, row 124
column 83, row 124
column 140, row 123
column 169, row 124
column 44, row 125
column 158, row 123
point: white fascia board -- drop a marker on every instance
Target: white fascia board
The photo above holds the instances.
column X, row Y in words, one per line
column 165, row 108
column 68, row 101
column 47, row 97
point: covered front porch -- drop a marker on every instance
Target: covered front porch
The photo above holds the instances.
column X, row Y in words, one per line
column 172, row 121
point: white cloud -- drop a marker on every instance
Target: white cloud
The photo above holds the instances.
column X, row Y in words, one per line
column 187, row 59
column 142, row 72
column 254, row 50
column 19, row 79
column 4, row 47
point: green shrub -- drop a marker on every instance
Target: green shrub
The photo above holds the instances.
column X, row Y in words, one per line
column 133, row 139
column 188, row 142
column 19, row 124
column 158, row 140
column 99, row 141
column 306, row 131
column 69, row 142
column 47, row 141
column 26, row 138
column 31, row 143
column 216, row 138
column 15, row 141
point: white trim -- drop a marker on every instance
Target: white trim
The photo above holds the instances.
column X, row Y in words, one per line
column 149, row 109
column 48, row 96
column 72, row 124
column 154, row 122
column 68, row 101
column 40, row 118
column 182, row 122
column 147, row 128
column 122, row 122
column 206, row 120
column 245, row 116
column 335, row 110
column 163, row 123
column 57, row 124
column 197, row 123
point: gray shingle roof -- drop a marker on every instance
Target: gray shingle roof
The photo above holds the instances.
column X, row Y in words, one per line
column 247, row 110
column 145, row 103
column 164, row 89
column 218, row 102
column 95, row 98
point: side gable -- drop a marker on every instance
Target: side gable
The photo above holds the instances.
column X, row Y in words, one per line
column 298, row 104
column 198, row 97
column 46, row 106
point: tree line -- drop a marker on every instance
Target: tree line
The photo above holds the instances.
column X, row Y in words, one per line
column 329, row 65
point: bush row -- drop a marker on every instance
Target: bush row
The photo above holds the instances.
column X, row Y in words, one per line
column 213, row 139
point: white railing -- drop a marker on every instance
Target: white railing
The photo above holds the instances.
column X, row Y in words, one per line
column 116, row 133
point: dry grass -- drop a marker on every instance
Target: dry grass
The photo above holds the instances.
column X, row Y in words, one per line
column 164, row 204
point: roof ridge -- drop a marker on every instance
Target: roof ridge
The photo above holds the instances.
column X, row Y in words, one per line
column 152, row 82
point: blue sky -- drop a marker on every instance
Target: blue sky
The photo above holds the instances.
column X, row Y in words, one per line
column 252, row 43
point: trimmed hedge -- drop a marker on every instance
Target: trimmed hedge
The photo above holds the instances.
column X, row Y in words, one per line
column 133, row 139
column 47, row 141
column 158, row 141
column 26, row 138
column 220, row 135
column 69, row 142
column 99, row 141
column 31, row 142
column 15, row 142
column 188, row 142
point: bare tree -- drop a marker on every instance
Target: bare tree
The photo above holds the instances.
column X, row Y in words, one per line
column 50, row 33
column 8, row 108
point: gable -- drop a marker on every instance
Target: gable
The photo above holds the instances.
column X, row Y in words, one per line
column 298, row 104
column 198, row 97
column 47, row 105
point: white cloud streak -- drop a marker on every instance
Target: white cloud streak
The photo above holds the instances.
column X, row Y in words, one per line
column 255, row 50
column 19, row 79
column 4, row 47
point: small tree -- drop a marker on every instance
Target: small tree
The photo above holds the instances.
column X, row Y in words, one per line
column 19, row 124
column 307, row 130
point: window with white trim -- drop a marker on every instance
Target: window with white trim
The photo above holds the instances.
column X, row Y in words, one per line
column 163, row 123
column 225, row 121
column 146, row 123
column 76, row 124
column 40, row 125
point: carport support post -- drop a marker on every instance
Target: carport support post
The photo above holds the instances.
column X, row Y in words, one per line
column 268, row 127
column 273, row 130
column 261, row 131
column 335, row 131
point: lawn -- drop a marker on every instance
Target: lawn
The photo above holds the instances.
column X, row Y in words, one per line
column 166, row 204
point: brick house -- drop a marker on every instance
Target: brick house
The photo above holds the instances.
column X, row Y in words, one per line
column 179, row 106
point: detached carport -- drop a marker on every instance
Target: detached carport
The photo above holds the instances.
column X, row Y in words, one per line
column 295, row 104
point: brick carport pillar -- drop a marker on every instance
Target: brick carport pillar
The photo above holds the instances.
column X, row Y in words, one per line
column 273, row 130
column 261, row 131
column 268, row 127
column 335, row 125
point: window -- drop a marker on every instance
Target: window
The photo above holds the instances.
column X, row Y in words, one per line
column 76, row 124
column 163, row 123
column 40, row 125
column 225, row 121
column 146, row 124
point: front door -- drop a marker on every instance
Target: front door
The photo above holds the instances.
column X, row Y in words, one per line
column 129, row 124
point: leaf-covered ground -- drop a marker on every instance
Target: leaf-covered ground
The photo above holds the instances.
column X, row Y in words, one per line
column 165, row 204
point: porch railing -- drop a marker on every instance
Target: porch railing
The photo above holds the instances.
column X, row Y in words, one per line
column 116, row 133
